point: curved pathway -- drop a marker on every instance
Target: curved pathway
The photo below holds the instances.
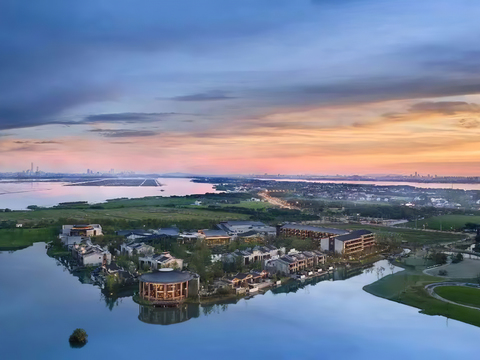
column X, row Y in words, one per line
column 431, row 290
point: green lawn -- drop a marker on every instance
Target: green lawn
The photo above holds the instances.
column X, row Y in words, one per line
column 408, row 287
column 445, row 222
column 460, row 294
column 400, row 234
column 257, row 205
column 128, row 213
column 11, row 239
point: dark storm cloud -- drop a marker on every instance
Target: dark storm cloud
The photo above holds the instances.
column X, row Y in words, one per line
column 124, row 133
column 125, row 117
column 381, row 89
column 208, row 96
column 56, row 44
column 42, row 108
column 37, row 142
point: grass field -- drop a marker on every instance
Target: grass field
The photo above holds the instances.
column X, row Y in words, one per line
column 445, row 222
column 20, row 238
column 407, row 287
column 128, row 213
column 460, row 294
column 400, row 234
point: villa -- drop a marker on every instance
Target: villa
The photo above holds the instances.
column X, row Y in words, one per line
column 133, row 248
column 159, row 261
column 88, row 254
column 74, row 234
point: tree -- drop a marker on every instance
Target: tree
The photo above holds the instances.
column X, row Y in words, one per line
column 457, row 258
column 78, row 337
column 439, row 258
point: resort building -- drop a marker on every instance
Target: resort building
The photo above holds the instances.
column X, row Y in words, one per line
column 214, row 237
column 245, row 279
column 310, row 232
column 258, row 253
column 167, row 287
column 135, row 234
column 75, row 234
column 241, row 227
column 350, row 244
column 134, row 248
column 294, row 262
column 189, row 237
column 88, row 254
column 82, row 230
column 159, row 261
column 173, row 232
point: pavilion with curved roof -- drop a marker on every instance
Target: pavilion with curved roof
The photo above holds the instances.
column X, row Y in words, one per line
column 166, row 287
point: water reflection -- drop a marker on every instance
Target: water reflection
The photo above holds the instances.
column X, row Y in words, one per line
column 168, row 316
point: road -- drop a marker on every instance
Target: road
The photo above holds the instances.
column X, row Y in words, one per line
column 276, row 201
column 431, row 290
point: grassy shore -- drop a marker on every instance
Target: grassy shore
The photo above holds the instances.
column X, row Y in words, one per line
column 408, row 287
column 445, row 222
column 460, row 294
column 18, row 238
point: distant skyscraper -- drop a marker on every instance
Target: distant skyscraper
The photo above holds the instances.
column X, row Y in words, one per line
column 31, row 168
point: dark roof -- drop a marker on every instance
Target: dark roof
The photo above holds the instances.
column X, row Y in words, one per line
column 353, row 235
column 215, row 233
column 248, row 233
column 168, row 231
column 113, row 267
column 166, row 276
column 288, row 259
column 243, row 223
column 314, row 228
column 139, row 232
column 241, row 276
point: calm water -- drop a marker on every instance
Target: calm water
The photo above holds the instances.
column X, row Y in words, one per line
column 393, row 183
column 41, row 304
column 19, row 195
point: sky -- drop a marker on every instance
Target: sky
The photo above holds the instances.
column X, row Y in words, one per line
column 241, row 87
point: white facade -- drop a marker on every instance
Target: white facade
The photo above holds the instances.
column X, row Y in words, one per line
column 88, row 254
column 164, row 260
column 136, row 248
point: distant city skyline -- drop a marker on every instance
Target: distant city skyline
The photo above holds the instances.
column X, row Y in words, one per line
column 222, row 87
column 306, row 175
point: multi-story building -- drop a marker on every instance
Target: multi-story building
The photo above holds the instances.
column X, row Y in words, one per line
column 240, row 227
column 310, row 232
column 294, row 262
column 258, row 253
column 214, row 237
column 75, row 234
column 350, row 244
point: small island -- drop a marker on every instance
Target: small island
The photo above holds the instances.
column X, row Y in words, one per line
column 78, row 338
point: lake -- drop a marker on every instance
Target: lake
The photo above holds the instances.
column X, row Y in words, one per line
column 41, row 304
column 19, row 195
